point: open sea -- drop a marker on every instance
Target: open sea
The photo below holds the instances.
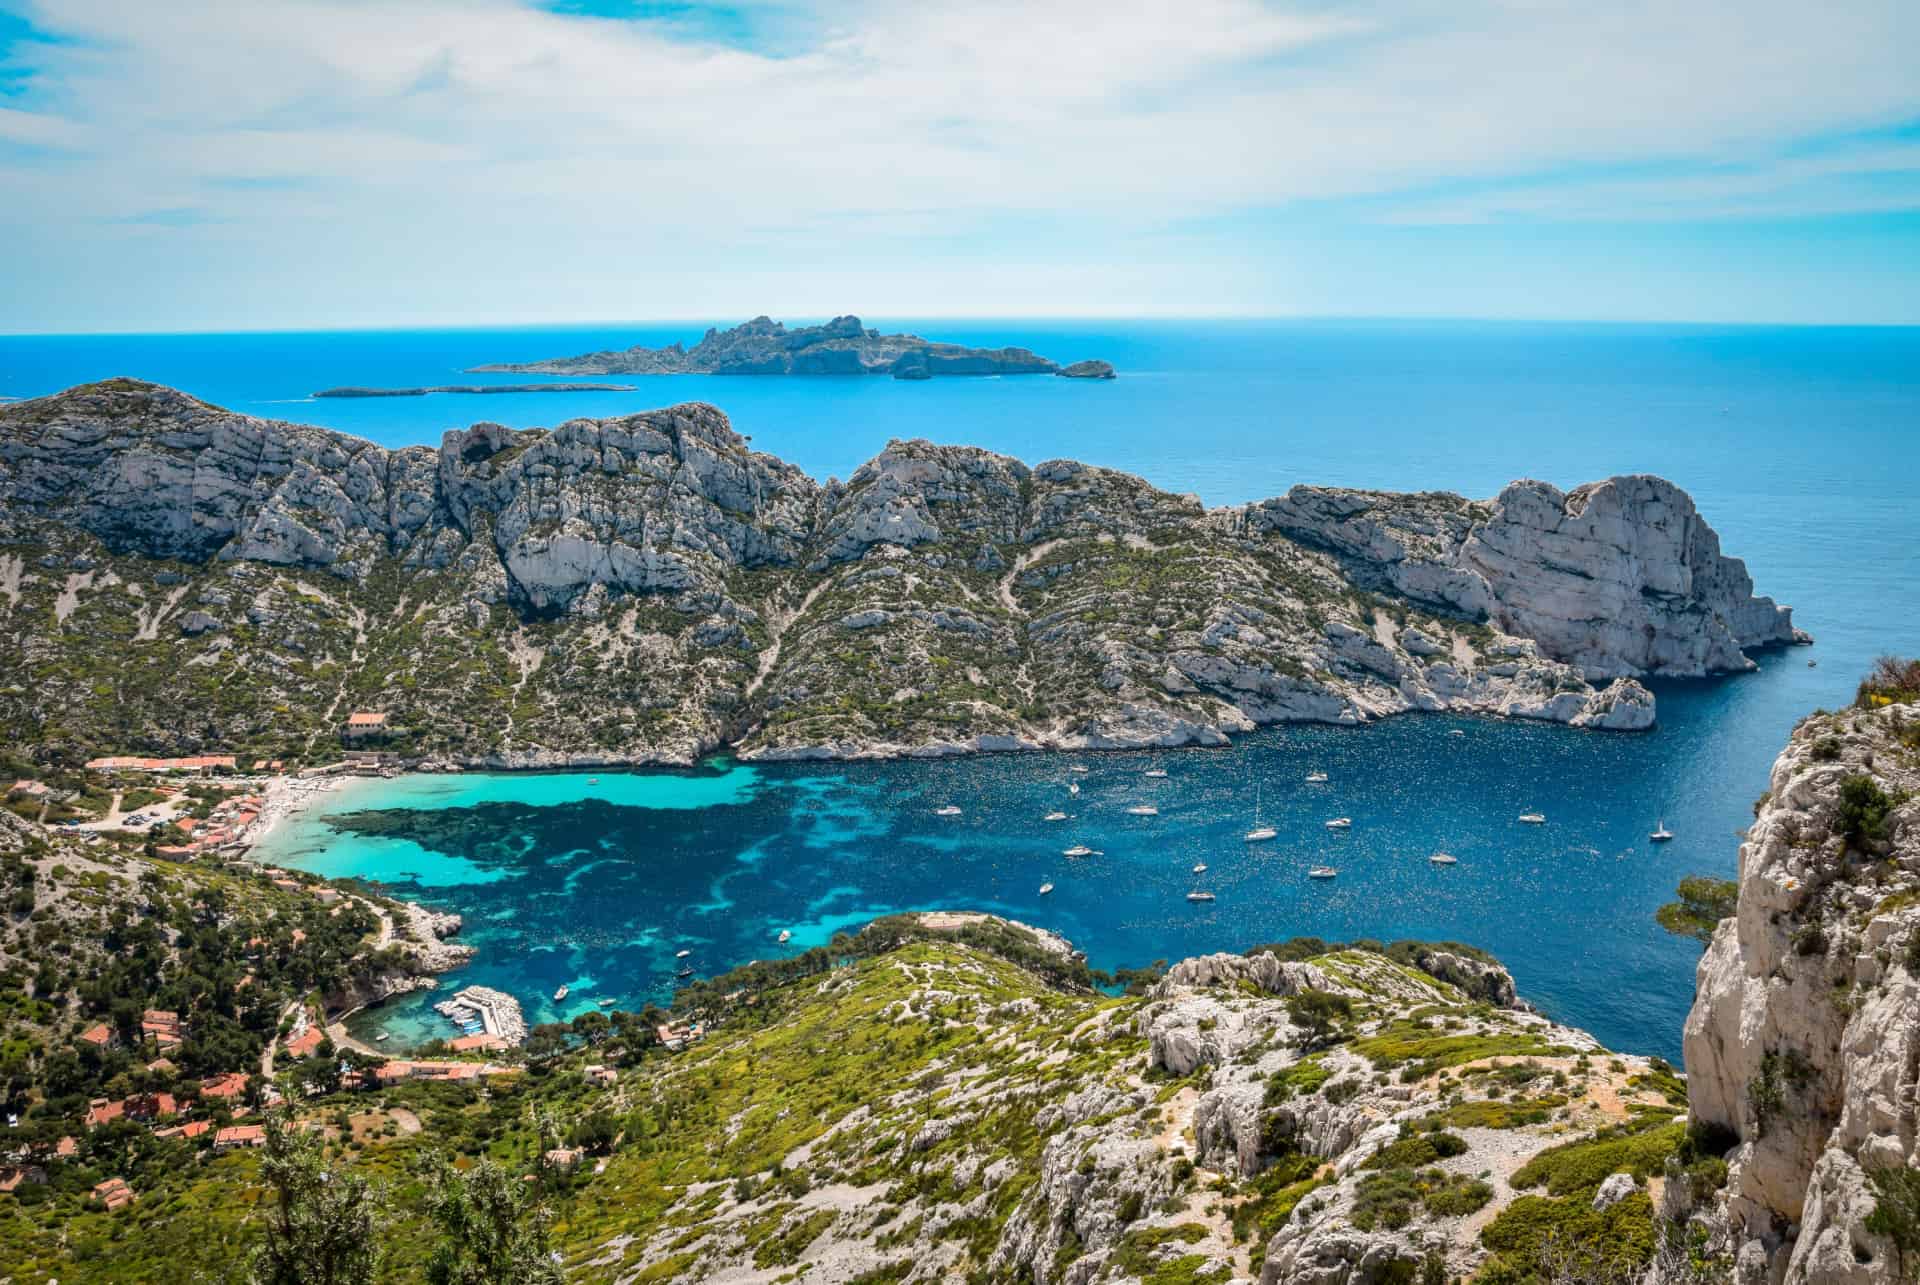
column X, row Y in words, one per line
column 1799, row 445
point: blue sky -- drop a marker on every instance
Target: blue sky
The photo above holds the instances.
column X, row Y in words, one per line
column 214, row 164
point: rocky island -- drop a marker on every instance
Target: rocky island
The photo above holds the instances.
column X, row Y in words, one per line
column 842, row 346
column 353, row 391
column 647, row 588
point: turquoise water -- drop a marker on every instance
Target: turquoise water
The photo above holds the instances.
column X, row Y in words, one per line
column 1796, row 442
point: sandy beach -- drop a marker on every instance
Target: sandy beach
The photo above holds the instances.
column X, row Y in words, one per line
column 286, row 796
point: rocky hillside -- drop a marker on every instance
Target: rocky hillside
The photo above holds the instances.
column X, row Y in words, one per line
column 1804, row 1040
column 840, row 347
column 176, row 577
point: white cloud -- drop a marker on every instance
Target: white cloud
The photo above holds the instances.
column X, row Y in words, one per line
column 475, row 131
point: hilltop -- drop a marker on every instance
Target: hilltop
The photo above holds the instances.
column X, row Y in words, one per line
column 842, row 346
column 179, row 578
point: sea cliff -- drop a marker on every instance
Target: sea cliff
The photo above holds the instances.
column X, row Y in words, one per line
column 647, row 588
column 1804, row 1040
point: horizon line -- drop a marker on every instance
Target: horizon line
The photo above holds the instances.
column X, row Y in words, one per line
column 1121, row 318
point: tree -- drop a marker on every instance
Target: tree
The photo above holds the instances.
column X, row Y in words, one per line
column 323, row 1225
column 492, row 1233
column 1864, row 806
column 1703, row 904
column 1897, row 1215
column 1318, row 1013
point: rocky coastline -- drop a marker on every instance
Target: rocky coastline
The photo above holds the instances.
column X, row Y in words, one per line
column 647, row 589
column 476, row 389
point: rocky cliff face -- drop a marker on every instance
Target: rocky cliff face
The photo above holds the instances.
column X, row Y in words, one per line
column 648, row 587
column 1804, row 1039
column 842, row 346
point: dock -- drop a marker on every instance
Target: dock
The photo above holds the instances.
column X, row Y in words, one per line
column 481, row 1010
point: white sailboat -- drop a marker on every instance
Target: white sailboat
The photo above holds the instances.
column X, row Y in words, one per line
column 1662, row 834
column 1045, row 888
column 1199, row 896
column 1259, row 833
column 1322, row 872
column 1340, row 823
column 1080, row 850
column 1534, row 818
column 1444, row 859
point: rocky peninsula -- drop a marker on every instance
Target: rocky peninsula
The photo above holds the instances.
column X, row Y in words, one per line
column 842, row 346
column 647, row 588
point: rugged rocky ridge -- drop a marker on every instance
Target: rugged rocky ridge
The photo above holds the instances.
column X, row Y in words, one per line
column 842, row 346
column 646, row 588
column 1804, row 1039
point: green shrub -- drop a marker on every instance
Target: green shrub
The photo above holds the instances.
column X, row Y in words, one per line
column 1639, row 1147
column 1863, row 810
column 1896, row 1212
column 1421, row 1149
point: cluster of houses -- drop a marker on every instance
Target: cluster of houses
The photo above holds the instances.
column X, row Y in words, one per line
column 197, row 764
column 227, row 823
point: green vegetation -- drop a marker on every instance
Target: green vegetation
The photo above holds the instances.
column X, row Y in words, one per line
column 1537, row 1240
column 1392, row 1199
column 1864, row 807
column 321, row 1224
column 1703, row 903
column 1638, row 1147
column 1894, row 680
column 1415, row 1149
column 1418, row 1048
column 1896, row 1214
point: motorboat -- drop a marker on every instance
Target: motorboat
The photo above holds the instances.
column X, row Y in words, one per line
column 1080, row 850
column 381, row 1038
column 560, row 994
column 608, row 1002
column 1534, row 818
column 1444, row 859
column 1143, row 810
column 1199, row 867
column 1076, row 767
column 1073, row 787
column 948, row 811
column 1662, row 834
column 1045, row 888
column 684, row 973
column 1456, row 732
column 1199, row 896
column 593, row 780
column 1055, row 816
column 1322, row 872
column 1340, row 823
column 1156, row 772
column 1261, row 833
column 1316, row 778
column 682, row 954
column 784, row 937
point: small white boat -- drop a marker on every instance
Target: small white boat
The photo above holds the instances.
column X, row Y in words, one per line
column 1316, row 778
column 1534, row 818
column 1199, row 867
column 682, row 954
column 1444, row 859
column 1340, row 823
column 1073, row 787
column 1143, row 811
column 947, row 811
column 381, row 1038
column 1080, row 850
column 608, row 1002
column 1662, row 834
column 560, row 994
column 1076, row 768
column 1260, row 834
column 1055, row 816
column 1045, row 888
column 784, row 937
column 1456, row 732
column 685, row 972
column 593, row 780
column 1199, row 896
column 1156, row 772
column 1322, row 872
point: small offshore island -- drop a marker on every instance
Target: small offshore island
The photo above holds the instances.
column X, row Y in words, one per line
column 351, row 391
column 842, row 346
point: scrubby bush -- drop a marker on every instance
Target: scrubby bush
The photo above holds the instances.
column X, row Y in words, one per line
column 1863, row 810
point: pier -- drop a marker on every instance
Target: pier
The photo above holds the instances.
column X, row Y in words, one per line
column 481, row 1010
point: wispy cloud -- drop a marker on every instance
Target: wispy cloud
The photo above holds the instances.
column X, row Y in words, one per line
column 644, row 138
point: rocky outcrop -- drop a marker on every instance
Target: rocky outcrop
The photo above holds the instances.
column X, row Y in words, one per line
column 647, row 587
column 842, row 346
column 1617, row 578
column 1804, row 1037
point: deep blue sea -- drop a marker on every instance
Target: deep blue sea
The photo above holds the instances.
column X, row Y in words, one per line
column 1798, row 444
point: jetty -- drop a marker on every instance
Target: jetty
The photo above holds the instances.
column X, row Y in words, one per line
column 481, row 1010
